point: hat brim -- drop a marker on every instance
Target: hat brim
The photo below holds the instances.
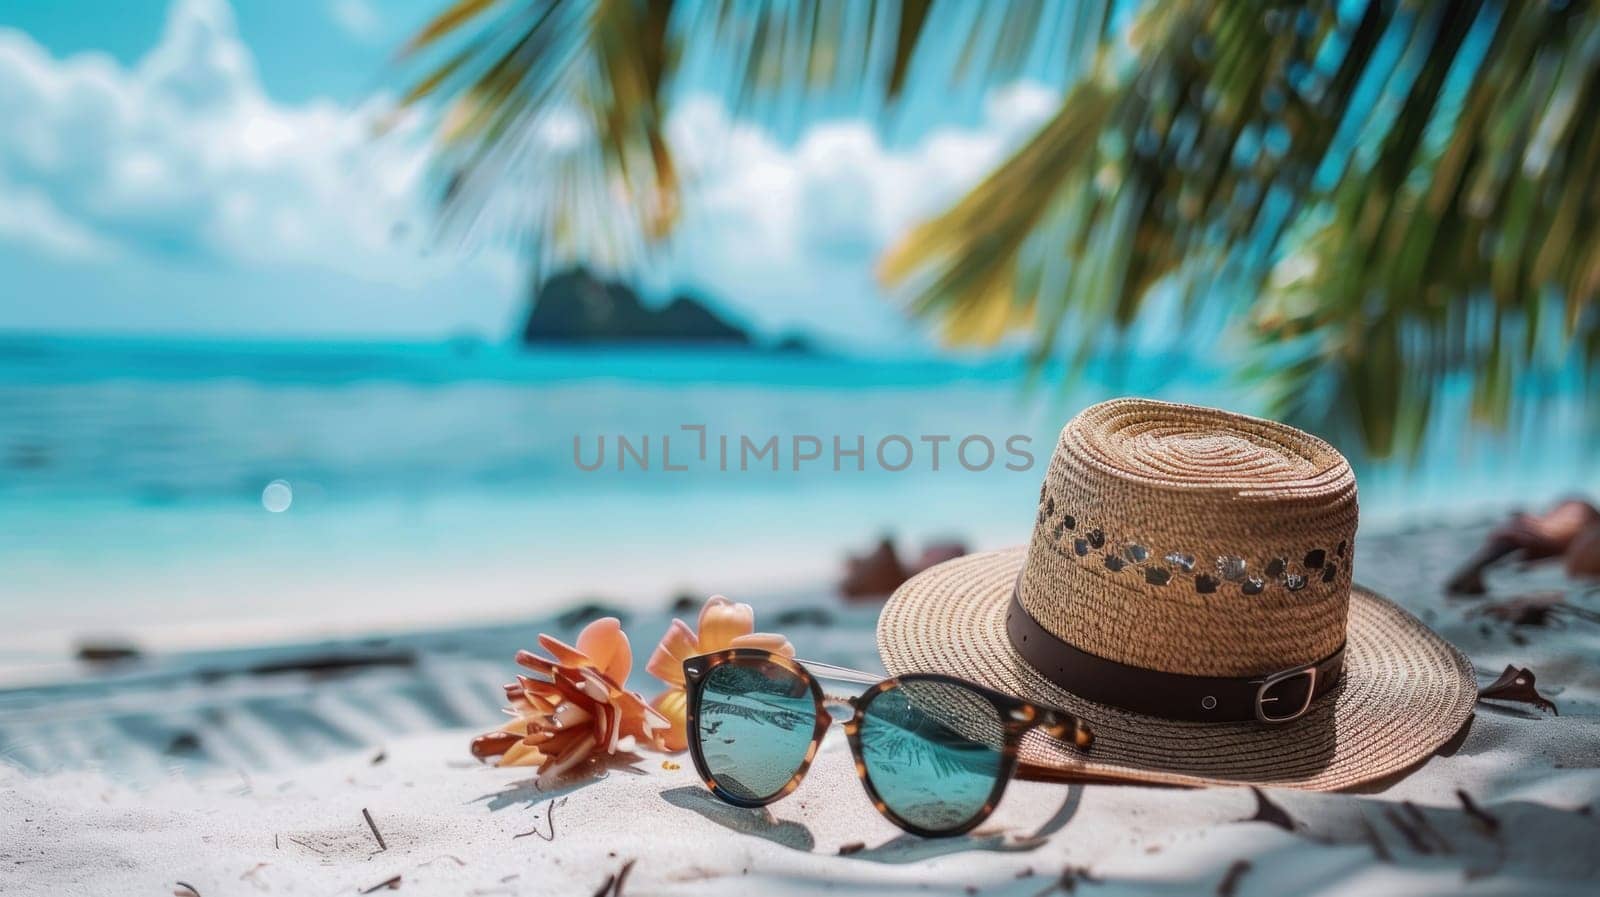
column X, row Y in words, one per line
column 1404, row 692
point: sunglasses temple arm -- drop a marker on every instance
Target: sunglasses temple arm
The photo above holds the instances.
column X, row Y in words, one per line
column 1067, row 727
column 1028, row 772
column 841, row 674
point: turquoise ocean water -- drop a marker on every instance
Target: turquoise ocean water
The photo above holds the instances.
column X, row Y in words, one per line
column 143, row 483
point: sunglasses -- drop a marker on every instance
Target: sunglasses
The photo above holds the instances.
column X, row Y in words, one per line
column 933, row 752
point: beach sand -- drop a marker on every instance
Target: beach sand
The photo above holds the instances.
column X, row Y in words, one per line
column 239, row 777
column 451, row 829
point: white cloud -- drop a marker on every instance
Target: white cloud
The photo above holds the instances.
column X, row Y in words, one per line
column 792, row 232
column 185, row 153
column 839, row 182
column 358, row 18
column 29, row 217
column 183, row 157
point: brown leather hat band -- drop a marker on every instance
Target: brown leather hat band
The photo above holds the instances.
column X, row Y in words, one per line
column 1276, row 698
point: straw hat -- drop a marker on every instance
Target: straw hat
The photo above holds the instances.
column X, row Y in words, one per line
column 1187, row 590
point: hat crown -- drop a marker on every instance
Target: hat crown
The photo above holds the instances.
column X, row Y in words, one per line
column 1192, row 540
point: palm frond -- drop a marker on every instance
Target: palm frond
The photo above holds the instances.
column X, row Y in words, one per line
column 564, row 100
column 1387, row 188
column 1475, row 226
column 873, row 53
column 451, row 18
column 514, row 75
column 1151, row 165
column 1382, row 197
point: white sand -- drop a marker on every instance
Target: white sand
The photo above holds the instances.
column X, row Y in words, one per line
column 452, row 829
column 451, row 826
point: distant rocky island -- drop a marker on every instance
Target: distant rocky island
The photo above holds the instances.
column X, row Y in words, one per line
column 577, row 308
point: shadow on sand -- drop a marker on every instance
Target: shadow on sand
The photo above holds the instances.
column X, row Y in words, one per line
column 758, row 822
column 528, row 792
column 906, row 848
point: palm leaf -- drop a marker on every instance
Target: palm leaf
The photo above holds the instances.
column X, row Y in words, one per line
column 1468, row 239
column 564, row 99
column 511, row 71
column 1383, row 198
column 1390, row 189
column 453, row 17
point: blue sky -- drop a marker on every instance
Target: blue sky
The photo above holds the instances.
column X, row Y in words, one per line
column 196, row 167
column 303, row 49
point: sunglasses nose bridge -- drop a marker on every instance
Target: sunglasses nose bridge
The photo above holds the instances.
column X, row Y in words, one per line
column 839, row 709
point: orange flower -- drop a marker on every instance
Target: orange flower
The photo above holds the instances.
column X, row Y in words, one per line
column 723, row 624
column 574, row 710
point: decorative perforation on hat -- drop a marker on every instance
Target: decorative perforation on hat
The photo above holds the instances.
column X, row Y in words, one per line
column 1178, row 567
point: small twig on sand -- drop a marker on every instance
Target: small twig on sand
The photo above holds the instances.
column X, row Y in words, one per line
column 1485, row 820
column 445, row 856
column 1424, row 827
column 1067, row 882
column 392, row 884
column 622, row 878
column 311, row 847
column 612, row 886
column 252, row 875
column 1412, row 836
column 1378, row 849
column 1230, row 881
column 185, row 889
column 550, row 816
column 375, row 833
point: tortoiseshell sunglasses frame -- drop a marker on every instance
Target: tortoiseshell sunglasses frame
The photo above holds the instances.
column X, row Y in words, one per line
column 1017, row 718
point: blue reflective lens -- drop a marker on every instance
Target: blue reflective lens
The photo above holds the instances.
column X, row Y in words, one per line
column 933, row 752
column 755, row 724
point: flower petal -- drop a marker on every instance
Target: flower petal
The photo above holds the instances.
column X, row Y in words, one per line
column 570, row 714
column 766, row 641
column 604, row 716
column 673, row 705
column 521, row 754
column 534, row 662
column 637, row 717
column 678, row 645
column 615, row 732
column 574, row 707
column 722, row 621
column 539, row 696
column 575, row 753
column 565, row 654
column 606, row 646
column 493, row 744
